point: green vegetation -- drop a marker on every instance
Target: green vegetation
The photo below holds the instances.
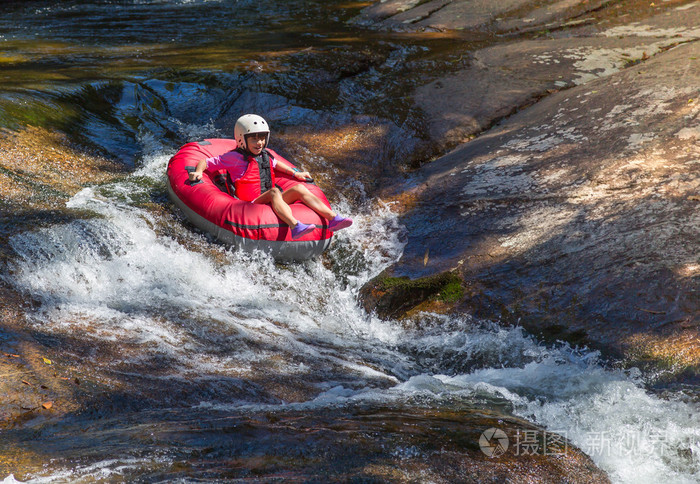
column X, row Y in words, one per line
column 394, row 296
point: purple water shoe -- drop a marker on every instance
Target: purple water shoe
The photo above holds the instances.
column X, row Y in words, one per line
column 339, row 223
column 301, row 229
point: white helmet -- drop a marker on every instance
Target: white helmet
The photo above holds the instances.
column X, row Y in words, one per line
column 249, row 124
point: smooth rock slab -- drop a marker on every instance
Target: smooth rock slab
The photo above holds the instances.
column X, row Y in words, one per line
column 506, row 77
column 579, row 216
column 356, row 444
column 470, row 14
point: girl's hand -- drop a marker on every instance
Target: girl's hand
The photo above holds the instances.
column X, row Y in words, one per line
column 302, row 175
column 194, row 176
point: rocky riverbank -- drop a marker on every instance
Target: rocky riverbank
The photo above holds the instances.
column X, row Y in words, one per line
column 40, row 169
column 577, row 216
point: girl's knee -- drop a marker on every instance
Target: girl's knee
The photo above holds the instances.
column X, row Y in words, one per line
column 275, row 192
column 300, row 189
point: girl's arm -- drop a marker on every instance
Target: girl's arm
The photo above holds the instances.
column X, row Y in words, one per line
column 283, row 166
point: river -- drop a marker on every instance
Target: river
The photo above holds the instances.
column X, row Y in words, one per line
column 208, row 364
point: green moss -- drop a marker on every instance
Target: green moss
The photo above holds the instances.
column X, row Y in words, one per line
column 452, row 292
column 21, row 111
column 431, row 283
column 391, row 282
column 394, row 296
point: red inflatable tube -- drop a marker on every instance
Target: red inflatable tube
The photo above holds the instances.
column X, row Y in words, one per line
column 243, row 225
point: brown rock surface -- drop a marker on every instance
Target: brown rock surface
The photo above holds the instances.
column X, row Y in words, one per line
column 577, row 217
column 39, row 171
column 479, row 14
column 503, row 78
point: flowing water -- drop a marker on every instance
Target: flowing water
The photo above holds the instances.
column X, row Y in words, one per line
column 207, row 364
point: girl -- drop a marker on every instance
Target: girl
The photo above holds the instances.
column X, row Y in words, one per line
column 251, row 168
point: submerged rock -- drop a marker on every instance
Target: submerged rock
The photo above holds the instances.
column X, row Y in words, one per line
column 357, row 443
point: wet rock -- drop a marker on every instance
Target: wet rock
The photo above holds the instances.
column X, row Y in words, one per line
column 506, row 77
column 552, row 16
column 40, row 169
column 391, row 297
column 436, row 14
column 498, row 82
column 397, row 445
column 358, row 443
column 578, row 217
column 471, row 15
column 29, row 380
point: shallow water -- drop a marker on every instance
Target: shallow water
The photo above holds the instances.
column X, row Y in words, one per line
column 207, row 364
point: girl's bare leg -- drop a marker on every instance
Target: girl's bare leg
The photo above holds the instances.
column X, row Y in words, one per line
column 275, row 198
column 300, row 192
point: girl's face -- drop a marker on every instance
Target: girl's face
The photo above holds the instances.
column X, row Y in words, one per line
column 256, row 142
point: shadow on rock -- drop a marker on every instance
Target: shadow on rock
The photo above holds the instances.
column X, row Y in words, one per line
column 577, row 218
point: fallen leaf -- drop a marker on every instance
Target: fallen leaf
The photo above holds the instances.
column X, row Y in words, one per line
column 47, row 361
column 694, row 198
column 47, row 405
column 651, row 311
column 26, row 382
column 11, row 355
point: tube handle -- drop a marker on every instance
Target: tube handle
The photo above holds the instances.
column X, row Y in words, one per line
column 190, row 169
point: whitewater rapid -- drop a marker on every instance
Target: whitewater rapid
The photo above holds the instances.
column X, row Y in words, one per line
column 146, row 284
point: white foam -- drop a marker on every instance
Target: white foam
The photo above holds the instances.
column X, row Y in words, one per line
column 114, row 278
column 11, row 480
column 630, row 433
column 633, row 435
